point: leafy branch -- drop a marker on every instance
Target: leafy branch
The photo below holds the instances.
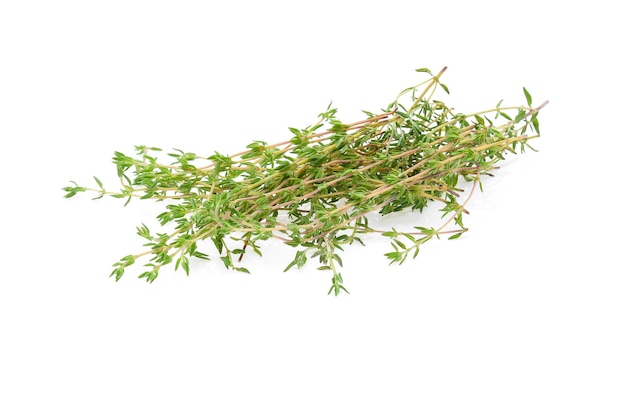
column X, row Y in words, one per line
column 315, row 191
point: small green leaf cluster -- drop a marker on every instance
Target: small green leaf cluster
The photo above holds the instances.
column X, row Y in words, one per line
column 315, row 191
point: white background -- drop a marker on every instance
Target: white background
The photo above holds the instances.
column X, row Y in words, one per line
column 530, row 305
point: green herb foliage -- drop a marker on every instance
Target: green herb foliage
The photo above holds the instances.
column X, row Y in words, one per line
column 315, row 191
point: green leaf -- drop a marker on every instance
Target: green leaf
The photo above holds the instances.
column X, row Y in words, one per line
column 72, row 190
column 118, row 273
column 358, row 240
column 99, row 182
column 299, row 260
column 242, row 269
column 337, row 286
column 227, row 262
column 455, row 236
column 219, row 242
column 256, row 249
column 144, row 232
column 200, row 255
column 394, row 257
column 128, row 260
column 535, row 123
column 529, row 99
column 183, row 261
column 426, row 231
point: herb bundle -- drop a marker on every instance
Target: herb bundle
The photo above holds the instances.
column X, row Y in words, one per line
column 315, row 191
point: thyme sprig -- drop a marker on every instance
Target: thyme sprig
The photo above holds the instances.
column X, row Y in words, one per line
column 315, row 191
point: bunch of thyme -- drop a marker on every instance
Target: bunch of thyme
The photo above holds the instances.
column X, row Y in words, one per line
column 315, row 191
